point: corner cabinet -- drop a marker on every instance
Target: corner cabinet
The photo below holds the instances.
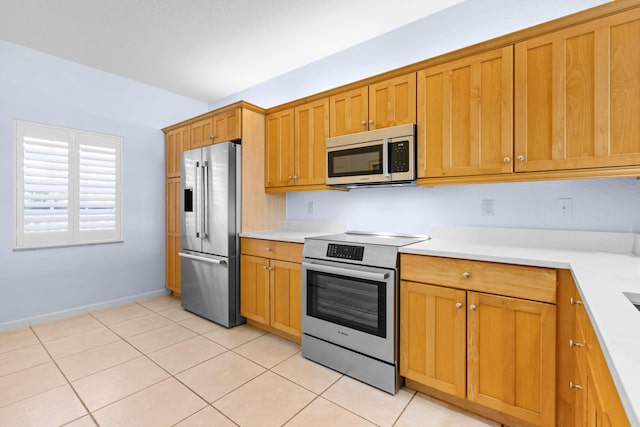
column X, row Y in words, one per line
column 465, row 116
column 388, row 103
column 577, row 96
column 481, row 332
column 270, row 292
column 295, row 147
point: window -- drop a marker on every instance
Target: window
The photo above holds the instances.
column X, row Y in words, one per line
column 68, row 187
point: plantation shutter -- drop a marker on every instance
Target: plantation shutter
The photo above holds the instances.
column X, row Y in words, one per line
column 68, row 187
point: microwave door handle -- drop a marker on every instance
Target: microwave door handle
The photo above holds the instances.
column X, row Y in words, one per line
column 358, row 274
column 386, row 158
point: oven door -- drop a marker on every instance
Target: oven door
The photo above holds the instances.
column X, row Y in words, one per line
column 351, row 306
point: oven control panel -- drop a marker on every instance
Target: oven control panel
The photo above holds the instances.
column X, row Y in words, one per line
column 345, row 252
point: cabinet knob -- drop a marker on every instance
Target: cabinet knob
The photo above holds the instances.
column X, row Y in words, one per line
column 507, row 159
column 370, row 121
column 466, row 275
column 295, row 176
column 290, row 177
column 363, row 123
column 572, row 344
column 575, row 302
column 267, row 249
column 266, row 267
column 458, row 305
column 521, row 158
column 212, row 136
column 572, row 385
column 472, row 307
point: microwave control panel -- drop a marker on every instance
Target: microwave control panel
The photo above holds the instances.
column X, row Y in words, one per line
column 399, row 154
column 345, row 252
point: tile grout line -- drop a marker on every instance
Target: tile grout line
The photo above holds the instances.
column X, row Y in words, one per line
column 75, row 392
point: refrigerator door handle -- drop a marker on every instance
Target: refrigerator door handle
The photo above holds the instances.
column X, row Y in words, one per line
column 200, row 258
column 205, row 199
column 198, row 199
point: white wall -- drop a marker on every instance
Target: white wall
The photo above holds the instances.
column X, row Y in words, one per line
column 41, row 88
column 603, row 205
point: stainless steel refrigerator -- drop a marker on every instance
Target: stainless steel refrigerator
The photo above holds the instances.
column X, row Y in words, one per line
column 210, row 223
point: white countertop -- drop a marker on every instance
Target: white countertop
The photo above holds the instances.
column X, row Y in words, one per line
column 604, row 265
column 297, row 231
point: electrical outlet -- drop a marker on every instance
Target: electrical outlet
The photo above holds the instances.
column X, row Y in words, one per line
column 310, row 207
column 487, row 207
column 564, row 207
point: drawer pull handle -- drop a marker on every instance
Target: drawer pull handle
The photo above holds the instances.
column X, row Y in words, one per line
column 572, row 344
column 472, row 307
column 458, row 305
column 572, row 385
column 575, row 302
column 466, row 275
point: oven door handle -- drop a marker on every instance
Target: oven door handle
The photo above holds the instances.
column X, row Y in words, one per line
column 358, row 274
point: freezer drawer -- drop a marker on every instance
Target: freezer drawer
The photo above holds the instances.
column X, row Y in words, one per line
column 210, row 287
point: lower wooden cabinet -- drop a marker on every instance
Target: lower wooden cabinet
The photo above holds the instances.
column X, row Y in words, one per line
column 270, row 288
column 496, row 351
column 595, row 399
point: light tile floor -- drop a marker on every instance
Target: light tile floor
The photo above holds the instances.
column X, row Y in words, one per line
column 154, row 364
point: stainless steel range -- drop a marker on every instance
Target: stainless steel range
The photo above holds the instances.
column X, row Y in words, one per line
column 350, row 294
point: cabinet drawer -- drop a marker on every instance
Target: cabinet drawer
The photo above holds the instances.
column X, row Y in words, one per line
column 532, row 283
column 272, row 249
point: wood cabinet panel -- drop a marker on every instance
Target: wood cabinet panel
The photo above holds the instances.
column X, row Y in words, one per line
column 465, row 116
column 285, row 251
column 578, row 96
column 176, row 142
column 433, row 336
column 227, row 125
column 254, row 288
column 518, row 281
column 285, row 297
column 201, row 133
column 349, row 112
column 392, row 102
column 511, row 352
column 172, row 237
column 279, row 149
column 311, row 130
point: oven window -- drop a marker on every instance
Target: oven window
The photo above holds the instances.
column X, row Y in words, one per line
column 352, row 302
column 356, row 161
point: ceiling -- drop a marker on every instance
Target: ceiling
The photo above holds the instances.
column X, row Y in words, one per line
column 202, row 49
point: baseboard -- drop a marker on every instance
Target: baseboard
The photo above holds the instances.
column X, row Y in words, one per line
column 76, row 311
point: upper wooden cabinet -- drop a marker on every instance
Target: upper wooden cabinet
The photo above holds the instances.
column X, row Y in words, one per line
column 577, row 95
column 384, row 104
column 176, row 141
column 219, row 127
column 295, row 146
column 465, row 116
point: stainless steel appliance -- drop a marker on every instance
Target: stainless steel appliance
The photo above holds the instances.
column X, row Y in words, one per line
column 350, row 295
column 381, row 156
column 210, row 222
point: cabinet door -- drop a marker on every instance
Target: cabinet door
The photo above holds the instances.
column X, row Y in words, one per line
column 177, row 141
column 279, row 149
column 392, row 102
column 511, row 356
column 311, row 130
column 286, row 297
column 349, row 112
column 465, row 116
column 254, row 288
column 433, row 336
column 227, row 125
column 172, row 242
column 202, row 133
column 578, row 96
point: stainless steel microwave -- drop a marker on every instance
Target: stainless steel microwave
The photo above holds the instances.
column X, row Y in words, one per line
column 381, row 156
